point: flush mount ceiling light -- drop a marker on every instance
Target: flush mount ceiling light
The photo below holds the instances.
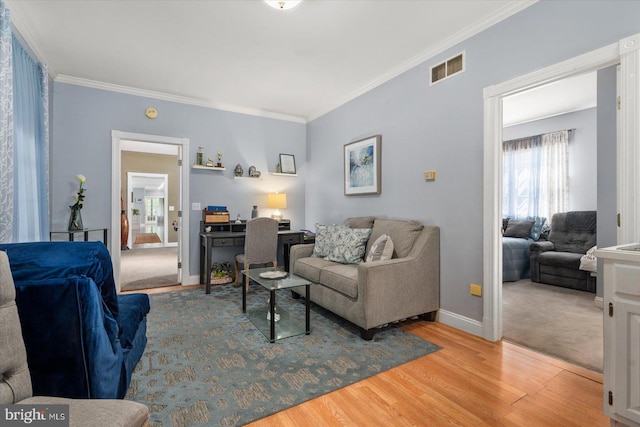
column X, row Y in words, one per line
column 283, row 5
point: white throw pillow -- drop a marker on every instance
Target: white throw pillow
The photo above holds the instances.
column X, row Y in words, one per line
column 381, row 249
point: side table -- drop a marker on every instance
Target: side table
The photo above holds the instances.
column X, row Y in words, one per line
column 71, row 234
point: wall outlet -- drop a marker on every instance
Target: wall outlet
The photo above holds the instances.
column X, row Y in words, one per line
column 195, row 206
column 430, row 176
column 475, row 289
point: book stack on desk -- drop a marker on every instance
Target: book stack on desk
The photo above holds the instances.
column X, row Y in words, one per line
column 215, row 215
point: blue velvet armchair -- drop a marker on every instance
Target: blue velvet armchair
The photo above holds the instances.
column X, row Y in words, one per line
column 82, row 339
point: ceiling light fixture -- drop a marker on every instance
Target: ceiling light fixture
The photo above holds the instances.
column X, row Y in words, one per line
column 283, row 5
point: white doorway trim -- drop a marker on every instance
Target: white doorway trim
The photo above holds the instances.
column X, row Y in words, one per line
column 627, row 54
column 131, row 176
column 183, row 215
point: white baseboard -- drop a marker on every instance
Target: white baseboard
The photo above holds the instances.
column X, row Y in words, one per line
column 192, row 280
column 598, row 302
column 457, row 321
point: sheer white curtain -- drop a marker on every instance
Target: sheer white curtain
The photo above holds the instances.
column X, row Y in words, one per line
column 24, row 141
column 535, row 175
column 554, row 173
column 6, row 127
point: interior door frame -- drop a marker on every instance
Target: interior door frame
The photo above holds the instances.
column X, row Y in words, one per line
column 183, row 214
column 165, row 224
column 626, row 53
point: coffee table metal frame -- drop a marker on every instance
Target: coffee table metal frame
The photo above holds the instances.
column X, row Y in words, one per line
column 286, row 327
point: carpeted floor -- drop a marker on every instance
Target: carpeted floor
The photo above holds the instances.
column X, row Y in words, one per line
column 148, row 268
column 206, row 364
column 556, row 321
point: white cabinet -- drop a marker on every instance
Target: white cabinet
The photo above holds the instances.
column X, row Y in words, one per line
column 621, row 334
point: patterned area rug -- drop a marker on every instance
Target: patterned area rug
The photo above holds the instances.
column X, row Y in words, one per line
column 207, row 364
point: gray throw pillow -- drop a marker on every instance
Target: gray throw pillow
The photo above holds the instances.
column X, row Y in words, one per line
column 381, row 249
column 520, row 228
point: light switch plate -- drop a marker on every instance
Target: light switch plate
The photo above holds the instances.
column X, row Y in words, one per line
column 195, row 206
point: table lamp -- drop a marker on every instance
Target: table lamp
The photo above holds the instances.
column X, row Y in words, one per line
column 277, row 201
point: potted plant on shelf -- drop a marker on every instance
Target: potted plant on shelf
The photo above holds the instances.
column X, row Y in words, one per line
column 221, row 273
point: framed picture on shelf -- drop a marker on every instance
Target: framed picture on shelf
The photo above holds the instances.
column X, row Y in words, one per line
column 362, row 167
column 288, row 163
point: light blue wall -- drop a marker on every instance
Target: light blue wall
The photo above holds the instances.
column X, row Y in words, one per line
column 583, row 149
column 441, row 127
column 83, row 119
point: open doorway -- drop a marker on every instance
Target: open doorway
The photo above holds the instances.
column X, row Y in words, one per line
column 626, row 53
column 150, row 255
column 550, row 144
column 151, row 206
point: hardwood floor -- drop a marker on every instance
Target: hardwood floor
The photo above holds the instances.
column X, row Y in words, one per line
column 469, row 382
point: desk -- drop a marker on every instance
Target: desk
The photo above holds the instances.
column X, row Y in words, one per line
column 286, row 238
column 86, row 232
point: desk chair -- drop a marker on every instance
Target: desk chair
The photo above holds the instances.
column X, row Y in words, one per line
column 260, row 245
column 15, row 379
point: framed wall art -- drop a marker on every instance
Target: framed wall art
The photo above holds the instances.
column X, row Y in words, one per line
column 362, row 167
column 287, row 163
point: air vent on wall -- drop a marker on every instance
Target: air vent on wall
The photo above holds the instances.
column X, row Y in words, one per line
column 447, row 68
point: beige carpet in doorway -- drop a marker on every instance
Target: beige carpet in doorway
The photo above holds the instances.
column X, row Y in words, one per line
column 148, row 268
column 556, row 321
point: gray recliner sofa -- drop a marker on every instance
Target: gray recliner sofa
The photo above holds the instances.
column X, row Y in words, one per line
column 375, row 293
column 557, row 260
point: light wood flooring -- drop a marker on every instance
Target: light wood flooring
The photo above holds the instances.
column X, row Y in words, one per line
column 469, row 382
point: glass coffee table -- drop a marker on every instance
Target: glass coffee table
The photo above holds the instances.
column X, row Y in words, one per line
column 282, row 326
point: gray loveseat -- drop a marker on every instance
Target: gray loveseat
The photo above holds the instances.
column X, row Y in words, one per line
column 557, row 261
column 375, row 293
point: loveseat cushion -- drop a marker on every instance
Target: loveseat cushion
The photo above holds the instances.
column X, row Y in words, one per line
column 574, row 231
column 403, row 233
column 360, row 222
column 560, row 259
column 309, row 268
column 342, row 278
column 133, row 309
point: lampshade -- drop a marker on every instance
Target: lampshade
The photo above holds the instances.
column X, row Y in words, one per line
column 277, row 201
column 283, row 5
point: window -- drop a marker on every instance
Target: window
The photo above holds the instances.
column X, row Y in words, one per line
column 535, row 175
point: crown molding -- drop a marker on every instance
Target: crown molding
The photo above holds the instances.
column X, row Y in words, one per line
column 22, row 27
column 508, row 10
column 61, row 78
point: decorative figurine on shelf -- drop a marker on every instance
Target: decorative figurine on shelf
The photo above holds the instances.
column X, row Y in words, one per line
column 238, row 171
column 278, row 170
column 238, row 220
column 209, row 162
column 253, row 173
column 254, row 211
column 219, row 160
